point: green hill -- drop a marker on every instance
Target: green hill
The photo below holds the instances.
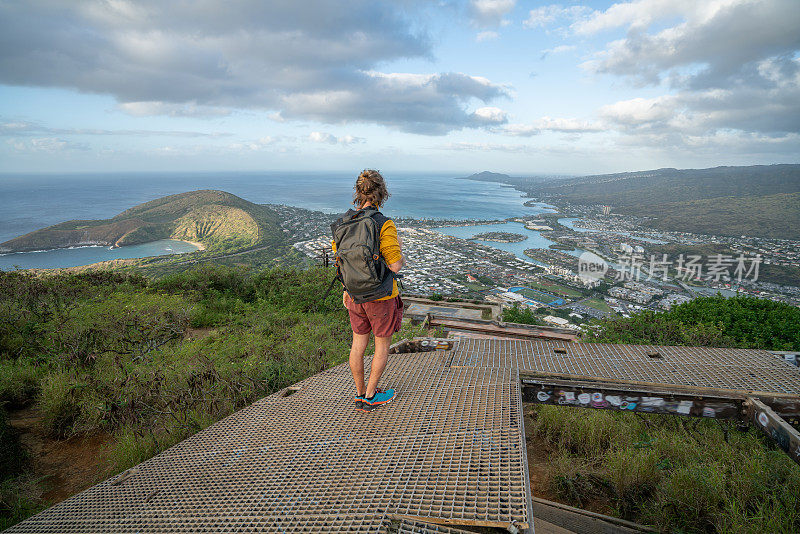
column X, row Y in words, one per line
column 760, row 200
column 676, row 185
column 769, row 216
column 215, row 218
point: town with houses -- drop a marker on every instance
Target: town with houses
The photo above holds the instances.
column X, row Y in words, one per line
column 640, row 275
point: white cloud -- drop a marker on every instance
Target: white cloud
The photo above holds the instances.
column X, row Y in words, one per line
column 324, row 137
column 489, row 115
column 639, row 111
column 774, row 111
column 490, row 13
column 308, row 60
column 729, row 68
column 638, row 15
column 557, row 50
column 31, row 128
column 189, row 109
column 715, row 44
column 486, row 36
column 432, row 104
column 485, row 147
column 548, row 124
column 45, row 144
column 544, row 16
column 256, row 145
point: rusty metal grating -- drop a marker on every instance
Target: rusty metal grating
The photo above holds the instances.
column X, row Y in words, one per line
column 418, row 527
column 449, row 446
column 739, row 369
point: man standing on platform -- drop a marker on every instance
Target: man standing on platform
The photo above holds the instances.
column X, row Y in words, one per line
column 368, row 256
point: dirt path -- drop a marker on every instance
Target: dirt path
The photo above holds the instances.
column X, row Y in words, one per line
column 68, row 466
column 538, row 459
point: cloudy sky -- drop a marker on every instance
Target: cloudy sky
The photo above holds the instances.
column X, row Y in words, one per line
column 506, row 85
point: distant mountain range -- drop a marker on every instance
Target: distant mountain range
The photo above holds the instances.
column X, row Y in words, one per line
column 207, row 216
column 759, row 200
column 516, row 181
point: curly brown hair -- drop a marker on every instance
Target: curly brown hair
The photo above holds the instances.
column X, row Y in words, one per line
column 370, row 187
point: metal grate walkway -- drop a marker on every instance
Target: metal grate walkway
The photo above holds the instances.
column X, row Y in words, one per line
column 449, row 449
column 735, row 369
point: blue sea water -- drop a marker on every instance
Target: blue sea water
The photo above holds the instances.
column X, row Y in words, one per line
column 30, row 202
column 534, row 238
column 69, row 257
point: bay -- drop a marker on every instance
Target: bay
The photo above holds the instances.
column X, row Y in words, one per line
column 33, row 201
column 535, row 239
column 70, row 257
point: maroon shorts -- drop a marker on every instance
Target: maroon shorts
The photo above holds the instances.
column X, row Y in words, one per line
column 382, row 317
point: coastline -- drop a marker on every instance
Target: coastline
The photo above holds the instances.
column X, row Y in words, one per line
column 199, row 245
column 25, row 261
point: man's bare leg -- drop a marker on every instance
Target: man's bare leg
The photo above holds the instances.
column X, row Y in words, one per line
column 378, row 363
column 360, row 342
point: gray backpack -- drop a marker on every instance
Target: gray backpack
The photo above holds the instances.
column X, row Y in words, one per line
column 359, row 264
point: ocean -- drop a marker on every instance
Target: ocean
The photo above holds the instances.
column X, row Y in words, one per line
column 30, row 202
column 534, row 239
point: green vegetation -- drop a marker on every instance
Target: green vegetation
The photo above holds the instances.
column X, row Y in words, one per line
column 516, row 314
column 474, row 287
column 597, row 304
column 632, row 188
column 501, row 237
column 777, row 274
column 743, row 322
column 221, row 221
column 556, row 289
column 150, row 362
column 760, row 200
column 677, row 474
column 769, row 216
column 19, row 497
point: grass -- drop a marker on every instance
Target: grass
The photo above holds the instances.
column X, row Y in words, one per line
column 521, row 315
column 554, row 288
column 472, row 286
column 597, row 304
column 675, row 474
column 111, row 354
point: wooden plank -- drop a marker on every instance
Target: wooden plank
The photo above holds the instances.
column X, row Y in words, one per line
column 605, row 396
column 459, row 522
column 426, row 344
column 784, row 405
column 765, row 419
column 508, row 329
column 583, row 521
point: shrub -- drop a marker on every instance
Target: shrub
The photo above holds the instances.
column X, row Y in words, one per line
column 58, row 402
column 516, row 314
column 741, row 321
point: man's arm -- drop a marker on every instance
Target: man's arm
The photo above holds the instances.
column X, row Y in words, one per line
column 390, row 247
column 396, row 266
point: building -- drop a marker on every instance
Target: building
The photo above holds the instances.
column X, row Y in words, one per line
column 557, row 321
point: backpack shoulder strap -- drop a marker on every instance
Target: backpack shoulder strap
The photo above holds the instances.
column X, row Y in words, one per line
column 380, row 218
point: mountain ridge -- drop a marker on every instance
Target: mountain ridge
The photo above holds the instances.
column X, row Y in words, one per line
column 207, row 216
column 756, row 200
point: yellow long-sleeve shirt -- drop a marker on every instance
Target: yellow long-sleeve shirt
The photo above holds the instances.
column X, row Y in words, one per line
column 390, row 250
